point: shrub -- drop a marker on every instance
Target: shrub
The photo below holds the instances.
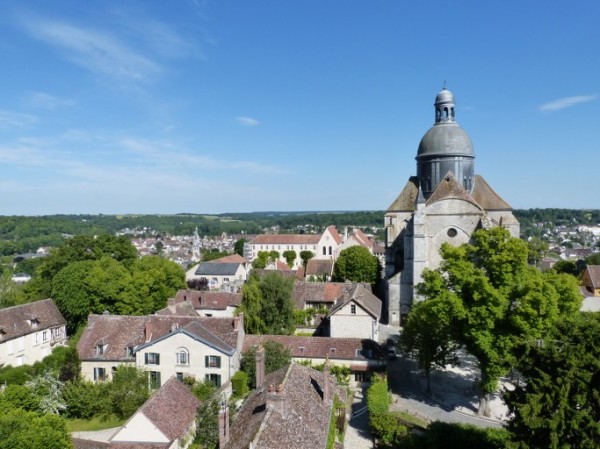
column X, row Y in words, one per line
column 239, row 382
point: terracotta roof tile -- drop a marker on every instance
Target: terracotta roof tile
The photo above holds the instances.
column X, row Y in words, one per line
column 233, row 258
column 208, row 300
column 325, row 292
column 286, row 239
column 319, row 267
column 336, row 235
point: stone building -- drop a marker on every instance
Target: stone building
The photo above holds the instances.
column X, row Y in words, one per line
column 445, row 202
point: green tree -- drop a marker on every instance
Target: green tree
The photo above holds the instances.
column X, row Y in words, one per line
column 127, row 391
column 48, row 389
column 276, row 356
column 537, row 248
column 207, row 425
column 356, row 264
column 267, row 305
column 558, row 404
column 261, row 260
column 21, row 429
column 566, row 266
column 238, row 247
column 290, row 257
column 497, row 300
column 306, row 256
column 594, row 259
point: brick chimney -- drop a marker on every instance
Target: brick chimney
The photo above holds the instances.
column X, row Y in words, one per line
column 236, row 323
column 260, row 366
column 276, row 399
column 223, row 424
column 171, row 305
column 148, row 331
column 326, row 388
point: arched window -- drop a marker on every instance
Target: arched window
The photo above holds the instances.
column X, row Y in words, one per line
column 445, row 112
column 330, row 251
column 324, row 251
column 182, row 356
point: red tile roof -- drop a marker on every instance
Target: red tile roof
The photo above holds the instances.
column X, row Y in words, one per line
column 319, row 267
column 325, row 292
column 336, row 235
column 233, row 258
column 208, row 300
column 286, row 239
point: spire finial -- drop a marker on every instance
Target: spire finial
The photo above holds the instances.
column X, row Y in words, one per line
column 444, row 86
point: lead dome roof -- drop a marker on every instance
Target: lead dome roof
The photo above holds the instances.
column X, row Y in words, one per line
column 445, row 137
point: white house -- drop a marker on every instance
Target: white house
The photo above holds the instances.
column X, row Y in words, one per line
column 228, row 273
column 29, row 332
column 322, row 246
column 203, row 303
column 356, row 315
column 163, row 345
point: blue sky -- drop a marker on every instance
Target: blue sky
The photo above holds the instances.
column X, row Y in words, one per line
column 219, row 105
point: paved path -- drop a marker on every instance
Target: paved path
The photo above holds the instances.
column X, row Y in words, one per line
column 96, row 435
column 357, row 435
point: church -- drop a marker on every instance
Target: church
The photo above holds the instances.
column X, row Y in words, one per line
column 445, row 202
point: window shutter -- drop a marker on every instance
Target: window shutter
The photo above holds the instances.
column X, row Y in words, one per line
column 218, row 362
column 158, row 383
column 146, row 358
column 158, row 360
column 206, row 362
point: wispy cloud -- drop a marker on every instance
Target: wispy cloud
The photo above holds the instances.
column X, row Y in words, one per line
column 247, row 121
column 10, row 119
column 42, row 100
column 566, row 102
column 94, row 50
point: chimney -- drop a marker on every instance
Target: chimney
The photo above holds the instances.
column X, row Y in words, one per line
column 171, row 305
column 223, row 424
column 326, row 382
column 236, row 323
column 260, row 366
column 276, row 399
column 345, row 233
column 148, row 331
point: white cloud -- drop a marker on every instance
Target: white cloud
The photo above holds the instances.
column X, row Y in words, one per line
column 566, row 102
column 43, row 100
column 96, row 51
column 247, row 121
column 10, row 119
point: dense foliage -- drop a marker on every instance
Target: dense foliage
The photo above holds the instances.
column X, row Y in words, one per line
column 356, row 264
column 276, row 356
column 442, row 435
column 489, row 299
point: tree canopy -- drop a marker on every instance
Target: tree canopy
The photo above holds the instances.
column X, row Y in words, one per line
column 356, row 264
column 276, row 356
column 494, row 300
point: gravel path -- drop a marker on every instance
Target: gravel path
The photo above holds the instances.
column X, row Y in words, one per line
column 357, row 434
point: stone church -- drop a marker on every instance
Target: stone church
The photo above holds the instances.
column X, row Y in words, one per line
column 445, row 202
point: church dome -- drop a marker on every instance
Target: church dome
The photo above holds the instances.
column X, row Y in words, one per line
column 445, row 139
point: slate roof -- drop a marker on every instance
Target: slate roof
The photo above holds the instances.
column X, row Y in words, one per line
column 208, row 300
column 322, row 347
column 450, row 188
column 325, row 292
column 118, row 332
column 363, row 297
column 302, row 421
column 171, row 409
column 286, row 239
column 14, row 321
column 216, row 269
column 319, row 267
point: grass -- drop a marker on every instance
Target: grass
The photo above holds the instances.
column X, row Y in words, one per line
column 95, row 423
column 411, row 420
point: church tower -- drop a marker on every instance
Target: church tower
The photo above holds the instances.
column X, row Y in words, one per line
column 445, row 202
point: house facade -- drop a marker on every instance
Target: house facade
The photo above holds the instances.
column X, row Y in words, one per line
column 229, row 276
column 356, row 315
column 29, row 332
column 163, row 345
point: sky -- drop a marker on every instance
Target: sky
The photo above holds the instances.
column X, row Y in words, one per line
column 215, row 106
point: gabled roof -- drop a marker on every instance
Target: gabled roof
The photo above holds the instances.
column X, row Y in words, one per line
column 233, row 258
column 217, row 269
column 15, row 320
column 301, row 421
column 450, row 188
column 171, row 409
column 208, row 300
column 486, row 197
column 363, row 297
column 119, row 332
column 319, row 267
column 286, row 239
column 335, row 234
column 593, row 272
column 362, row 238
column 321, row 347
column 325, row 292
column 405, row 202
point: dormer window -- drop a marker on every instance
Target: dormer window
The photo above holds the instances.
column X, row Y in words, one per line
column 100, row 349
column 353, row 309
column 129, row 351
column 33, row 322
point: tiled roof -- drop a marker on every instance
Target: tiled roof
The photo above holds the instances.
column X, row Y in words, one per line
column 216, row 269
column 321, row 347
column 286, row 239
column 118, row 332
column 318, row 267
column 172, row 409
column 15, row 321
column 181, row 309
column 300, row 422
column 90, row 444
column 362, row 238
column 208, row 300
column 325, row 292
column 594, row 275
column 486, row 197
column 233, row 258
column 336, row 235
column 363, row 298
column 450, row 188
column 405, row 202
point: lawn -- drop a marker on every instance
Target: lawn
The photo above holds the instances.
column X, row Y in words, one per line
column 96, row 423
